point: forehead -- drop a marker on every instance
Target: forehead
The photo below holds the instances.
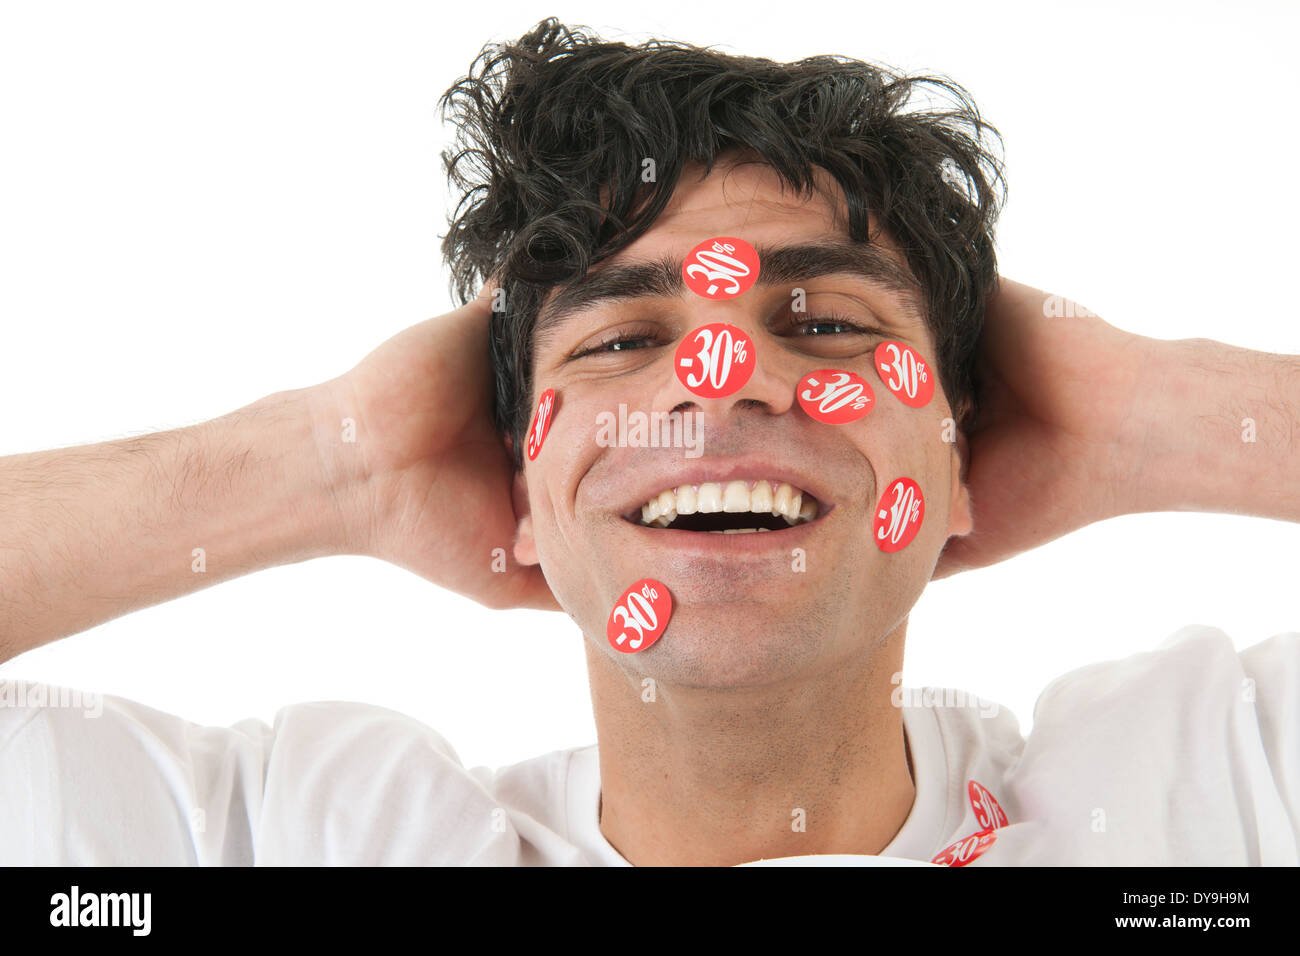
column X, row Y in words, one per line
column 744, row 192
column 799, row 236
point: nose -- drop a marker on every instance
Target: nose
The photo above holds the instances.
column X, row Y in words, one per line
column 770, row 387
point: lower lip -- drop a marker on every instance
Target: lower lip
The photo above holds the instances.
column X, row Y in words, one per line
column 706, row 542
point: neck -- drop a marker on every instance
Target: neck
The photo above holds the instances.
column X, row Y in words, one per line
column 714, row 777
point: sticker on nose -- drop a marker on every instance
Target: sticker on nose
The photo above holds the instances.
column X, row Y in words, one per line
column 720, row 268
column 905, row 373
column 898, row 515
column 966, row 850
column 541, row 423
column 715, row 360
column 640, row 616
column 835, row 397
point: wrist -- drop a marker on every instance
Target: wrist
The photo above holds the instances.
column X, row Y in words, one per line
column 304, row 481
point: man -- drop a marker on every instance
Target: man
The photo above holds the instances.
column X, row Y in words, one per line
column 746, row 699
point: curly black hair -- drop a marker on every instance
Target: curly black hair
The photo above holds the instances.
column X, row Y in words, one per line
column 552, row 131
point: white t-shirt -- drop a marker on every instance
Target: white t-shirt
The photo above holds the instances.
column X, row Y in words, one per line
column 1186, row 755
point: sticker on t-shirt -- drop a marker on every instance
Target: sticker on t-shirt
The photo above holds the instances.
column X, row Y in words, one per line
column 965, row 850
column 898, row 515
column 541, row 423
column 640, row 616
column 835, row 397
column 720, row 268
column 905, row 373
column 988, row 814
column 715, row 360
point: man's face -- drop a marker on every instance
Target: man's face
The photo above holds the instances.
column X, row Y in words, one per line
column 749, row 609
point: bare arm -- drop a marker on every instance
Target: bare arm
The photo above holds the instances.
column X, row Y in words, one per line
column 1081, row 421
column 1221, row 435
column 397, row 459
column 90, row 533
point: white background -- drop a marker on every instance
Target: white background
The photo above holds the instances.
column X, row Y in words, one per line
column 204, row 204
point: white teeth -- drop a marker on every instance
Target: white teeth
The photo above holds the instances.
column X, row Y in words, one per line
column 796, row 502
column 736, row 497
column 667, row 502
column 710, row 498
column 781, row 501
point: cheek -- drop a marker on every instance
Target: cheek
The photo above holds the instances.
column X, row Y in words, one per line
column 553, row 477
column 911, row 481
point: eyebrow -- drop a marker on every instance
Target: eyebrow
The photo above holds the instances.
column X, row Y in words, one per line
column 778, row 265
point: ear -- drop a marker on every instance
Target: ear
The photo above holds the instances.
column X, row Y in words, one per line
column 961, row 511
column 525, row 544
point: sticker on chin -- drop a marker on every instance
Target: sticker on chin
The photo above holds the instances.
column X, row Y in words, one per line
column 640, row 616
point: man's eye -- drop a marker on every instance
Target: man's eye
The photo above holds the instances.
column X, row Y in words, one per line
column 625, row 341
column 837, row 324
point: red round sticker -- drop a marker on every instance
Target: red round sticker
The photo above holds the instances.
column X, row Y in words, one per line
column 541, row 423
column 898, row 515
column 715, row 360
column 835, row 397
column 640, row 616
column 988, row 813
column 905, row 373
column 720, row 268
column 966, row 849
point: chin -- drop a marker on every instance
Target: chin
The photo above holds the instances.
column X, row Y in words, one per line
column 726, row 649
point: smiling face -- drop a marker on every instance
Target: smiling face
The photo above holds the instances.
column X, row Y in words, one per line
column 749, row 609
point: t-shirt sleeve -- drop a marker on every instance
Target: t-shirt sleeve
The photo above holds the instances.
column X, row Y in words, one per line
column 88, row 779
column 1187, row 755
column 1272, row 670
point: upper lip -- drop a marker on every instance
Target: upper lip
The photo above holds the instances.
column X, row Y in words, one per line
column 723, row 470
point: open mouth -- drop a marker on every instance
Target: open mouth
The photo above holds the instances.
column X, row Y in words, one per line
column 733, row 507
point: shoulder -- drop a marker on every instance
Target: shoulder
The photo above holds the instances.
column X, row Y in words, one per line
column 1196, row 673
column 1161, row 757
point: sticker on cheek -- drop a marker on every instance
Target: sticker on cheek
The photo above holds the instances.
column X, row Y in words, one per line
column 835, row 397
column 905, row 373
column 541, row 423
column 715, row 360
column 898, row 515
column 720, row 268
column 640, row 616
column 967, row 850
column 988, row 812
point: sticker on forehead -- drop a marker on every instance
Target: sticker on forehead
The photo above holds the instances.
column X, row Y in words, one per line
column 898, row 515
column 835, row 397
column 541, row 423
column 640, row 616
column 715, row 360
column 966, row 850
column 720, row 268
column 905, row 373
